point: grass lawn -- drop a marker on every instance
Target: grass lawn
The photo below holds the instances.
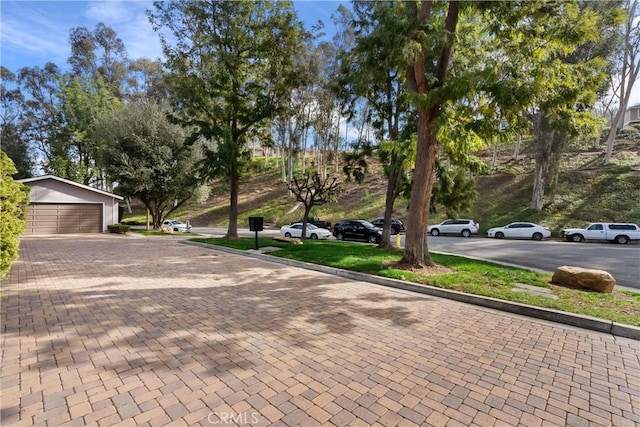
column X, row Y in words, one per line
column 465, row 275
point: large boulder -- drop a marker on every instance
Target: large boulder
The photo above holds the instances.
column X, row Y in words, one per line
column 584, row 278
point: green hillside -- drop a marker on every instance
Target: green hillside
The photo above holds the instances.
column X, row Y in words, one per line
column 587, row 191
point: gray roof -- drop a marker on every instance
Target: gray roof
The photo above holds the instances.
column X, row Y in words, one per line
column 66, row 181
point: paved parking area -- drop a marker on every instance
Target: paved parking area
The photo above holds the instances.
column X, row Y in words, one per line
column 118, row 330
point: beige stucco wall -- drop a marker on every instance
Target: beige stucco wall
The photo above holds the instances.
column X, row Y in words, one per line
column 632, row 115
column 52, row 191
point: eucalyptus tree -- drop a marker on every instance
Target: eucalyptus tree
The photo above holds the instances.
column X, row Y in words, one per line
column 11, row 125
column 629, row 69
column 293, row 121
column 325, row 115
column 369, row 71
column 42, row 119
column 99, row 54
column 231, row 68
column 146, row 81
column 148, row 157
column 327, row 118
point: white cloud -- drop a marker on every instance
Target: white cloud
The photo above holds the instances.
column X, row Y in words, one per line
column 129, row 20
column 32, row 36
column 110, row 12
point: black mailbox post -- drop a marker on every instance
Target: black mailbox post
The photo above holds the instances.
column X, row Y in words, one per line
column 255, row 224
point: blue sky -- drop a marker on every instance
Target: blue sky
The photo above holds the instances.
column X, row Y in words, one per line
column 35, row 32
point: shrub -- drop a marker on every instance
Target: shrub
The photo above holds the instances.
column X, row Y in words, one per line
column 119, row 228
column 628, row 132
column 14, row 198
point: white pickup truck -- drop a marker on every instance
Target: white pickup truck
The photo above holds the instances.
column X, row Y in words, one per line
column 615, row 232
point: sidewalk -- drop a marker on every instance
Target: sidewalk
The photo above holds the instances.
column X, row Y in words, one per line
column 112, row 330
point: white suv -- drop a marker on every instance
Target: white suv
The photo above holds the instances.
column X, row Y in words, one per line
column 463, row 227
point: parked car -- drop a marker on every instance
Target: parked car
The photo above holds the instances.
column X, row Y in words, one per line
column 463, row 227
column 176, row 225
column 357, row 229
column 315, row 221
column 313, row 232
column 397, row 226
column 615, row 232
column 520, row 230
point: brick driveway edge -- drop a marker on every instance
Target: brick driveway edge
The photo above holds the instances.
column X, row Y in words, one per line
column 585, row 322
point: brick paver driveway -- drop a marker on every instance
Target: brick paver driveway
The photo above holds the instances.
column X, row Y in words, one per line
column 118, row 330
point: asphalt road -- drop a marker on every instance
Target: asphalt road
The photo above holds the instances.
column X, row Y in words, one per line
column 622, row 261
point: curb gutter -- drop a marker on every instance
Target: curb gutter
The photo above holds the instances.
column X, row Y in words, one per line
column 585, row 322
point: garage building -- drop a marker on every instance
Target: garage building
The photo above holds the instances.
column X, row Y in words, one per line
column 59, row 206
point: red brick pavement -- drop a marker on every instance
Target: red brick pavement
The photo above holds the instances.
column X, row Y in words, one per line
column 117, row 330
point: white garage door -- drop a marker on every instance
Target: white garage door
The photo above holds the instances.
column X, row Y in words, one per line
column 63, row 218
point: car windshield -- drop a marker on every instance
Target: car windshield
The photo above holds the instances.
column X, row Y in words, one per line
column 311, row 227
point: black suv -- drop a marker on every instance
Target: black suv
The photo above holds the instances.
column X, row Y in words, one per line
column 357, row 229
column 397, row 226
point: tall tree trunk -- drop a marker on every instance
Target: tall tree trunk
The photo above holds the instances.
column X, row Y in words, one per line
column 494, row 157
column 290, row 149
column 304, row 141
column 516, row 150
column 544, row 144
column 416, row 252
column 336, row 149
column 393, row 184
column 234, row 180
column 283, row 161
column 617, row 121
column 555, row 175
column 629, row 75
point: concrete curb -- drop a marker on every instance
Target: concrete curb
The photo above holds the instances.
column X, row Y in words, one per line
column 585, row 322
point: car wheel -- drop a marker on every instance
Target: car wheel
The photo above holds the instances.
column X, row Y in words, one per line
column 435, row 232
column 314, row 236
column 577, row 238
column 287, row 235
column 622, row 240
column 340, row 236
column 499, row 235
column 394, row 231
column 373, row 239
column 537, row 236
column 175, row 230
column 466, row 233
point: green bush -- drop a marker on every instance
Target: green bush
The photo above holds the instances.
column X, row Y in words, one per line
column 628, row 132
column 14, row 199
column 119, row 228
